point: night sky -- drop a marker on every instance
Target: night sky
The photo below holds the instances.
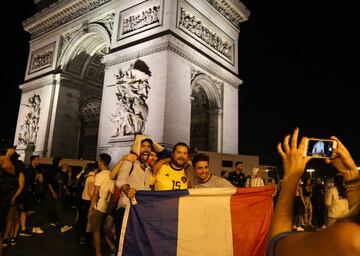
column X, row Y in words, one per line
column 298, row 60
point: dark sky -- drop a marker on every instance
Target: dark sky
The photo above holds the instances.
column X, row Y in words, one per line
column 298, row 61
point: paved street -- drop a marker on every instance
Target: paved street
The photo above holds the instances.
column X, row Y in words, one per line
column 52, row 242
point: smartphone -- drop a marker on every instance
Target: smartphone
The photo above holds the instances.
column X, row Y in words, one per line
column 320, row 148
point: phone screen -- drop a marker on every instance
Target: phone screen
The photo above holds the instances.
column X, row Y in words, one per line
column 320, row 148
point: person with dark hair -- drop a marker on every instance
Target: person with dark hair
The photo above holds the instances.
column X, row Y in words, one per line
column 54, row 198
column 7, row 187
column 204, row 178
column 237, row 177
column 33, row 179
column 88, row 189
column 172, row 176
column 15, row 186
column 132, row 173
column 224, row 174
column 318, row 201
column 100, row 200
column 342, row 238
column 336, row 200
column 308, row 208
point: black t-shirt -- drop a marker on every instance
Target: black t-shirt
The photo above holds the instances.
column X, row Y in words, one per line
column 53, row 178
column 237, row 180
column 9, row 183
column 318, row 195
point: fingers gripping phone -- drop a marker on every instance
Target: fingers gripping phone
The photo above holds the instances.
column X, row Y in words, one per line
column 320, row 148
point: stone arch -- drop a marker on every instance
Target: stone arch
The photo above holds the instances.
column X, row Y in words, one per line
column 81, row 84
column 206, row 114
column 94, row 33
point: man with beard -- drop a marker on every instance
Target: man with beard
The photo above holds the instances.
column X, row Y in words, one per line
column 132, row 175
column 173, row 176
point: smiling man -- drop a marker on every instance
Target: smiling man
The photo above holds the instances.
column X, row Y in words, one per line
column 172, row 176
column 204, row 178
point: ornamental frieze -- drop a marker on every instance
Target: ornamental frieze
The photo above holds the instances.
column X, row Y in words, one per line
column 226, row 13
column 140, row 17
column 205, row 33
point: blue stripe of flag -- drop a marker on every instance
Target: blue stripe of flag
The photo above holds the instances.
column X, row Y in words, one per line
column 152, row 226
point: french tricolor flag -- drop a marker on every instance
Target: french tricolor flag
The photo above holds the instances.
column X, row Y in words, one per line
column 196, row 222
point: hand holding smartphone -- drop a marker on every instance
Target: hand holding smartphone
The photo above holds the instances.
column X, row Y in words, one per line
column 320, row 148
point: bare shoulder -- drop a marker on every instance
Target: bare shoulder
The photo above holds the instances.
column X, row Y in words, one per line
column 347, row 233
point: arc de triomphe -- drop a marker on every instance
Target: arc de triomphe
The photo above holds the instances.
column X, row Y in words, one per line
column 100, row 71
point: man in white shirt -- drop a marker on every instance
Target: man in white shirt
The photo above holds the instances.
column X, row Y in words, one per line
column 204, row 179
column 100, row 200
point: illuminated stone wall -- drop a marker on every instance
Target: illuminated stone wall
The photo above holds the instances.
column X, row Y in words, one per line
column 142, row 60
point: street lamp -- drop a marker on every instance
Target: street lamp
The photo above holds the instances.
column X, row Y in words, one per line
column 310, row 171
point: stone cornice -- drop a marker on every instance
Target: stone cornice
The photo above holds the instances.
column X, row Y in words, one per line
column 39, row 83
column 233, row 10
column 58, row 14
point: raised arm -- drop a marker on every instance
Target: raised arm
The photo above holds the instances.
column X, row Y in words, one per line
column 294, row 164
column 342, row 238
column 344, row 163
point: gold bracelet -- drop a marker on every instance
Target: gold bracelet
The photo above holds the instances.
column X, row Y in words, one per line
column 352, row 187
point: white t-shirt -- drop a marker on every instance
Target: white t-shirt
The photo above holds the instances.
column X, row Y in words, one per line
column 89, row 186
column 338, row 207
column 102, row 180
column 213, row 182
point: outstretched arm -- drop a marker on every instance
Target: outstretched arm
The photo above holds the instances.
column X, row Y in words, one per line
column 344, row 163
column 294, row 164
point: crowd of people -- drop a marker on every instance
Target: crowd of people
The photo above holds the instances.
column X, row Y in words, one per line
column 100, row 195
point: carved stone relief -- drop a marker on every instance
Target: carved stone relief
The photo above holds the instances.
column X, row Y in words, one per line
column 226, row 13
column 30, row 127
column 42, row 58
column 108, row 22
column 132, row 89
column 140, row 18
column 66, row 38
column 196, row 26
